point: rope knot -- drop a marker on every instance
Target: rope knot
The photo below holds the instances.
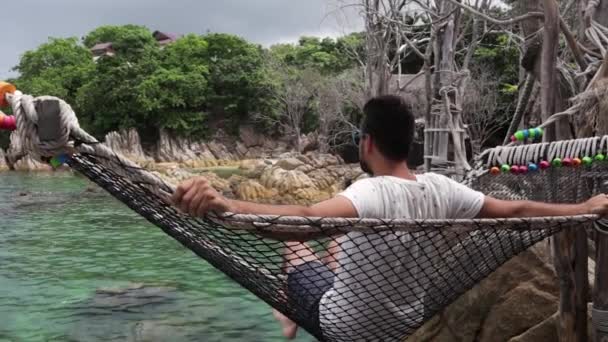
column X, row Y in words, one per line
column 44, row 125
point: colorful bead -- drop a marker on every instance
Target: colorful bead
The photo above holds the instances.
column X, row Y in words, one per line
column 519, row 135
column 523, row 169
column 544, row 165
column 505, row 168
column 532, row 133
column 59, row 160
column 8, row 122
column 567, row 162
column 539, row 132
column 576, row 162
column 514, row 169
column 587, row 161
column 495, row 170
column 557, row 162
column 600, row 157
column 513, row 138
column 532, row 167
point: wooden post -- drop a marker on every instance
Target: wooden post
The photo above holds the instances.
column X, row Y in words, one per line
column 570, row 256
column 600, row 290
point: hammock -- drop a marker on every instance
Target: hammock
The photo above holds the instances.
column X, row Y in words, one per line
column 448, row 257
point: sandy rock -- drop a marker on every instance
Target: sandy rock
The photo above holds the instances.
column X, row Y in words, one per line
column 289, row 164
column 285, row 181
column 250, row 190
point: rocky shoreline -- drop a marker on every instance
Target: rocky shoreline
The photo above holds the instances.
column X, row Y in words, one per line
column 252, row 168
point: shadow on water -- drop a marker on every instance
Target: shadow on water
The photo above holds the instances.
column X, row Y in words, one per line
column 76, row 265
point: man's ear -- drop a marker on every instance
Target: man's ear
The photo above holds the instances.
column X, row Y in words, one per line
column 368, row 144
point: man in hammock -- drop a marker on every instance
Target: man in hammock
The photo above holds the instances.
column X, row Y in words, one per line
column 344, row 304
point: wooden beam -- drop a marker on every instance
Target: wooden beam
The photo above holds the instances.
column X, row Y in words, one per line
column 600, row 290
column 572, row 321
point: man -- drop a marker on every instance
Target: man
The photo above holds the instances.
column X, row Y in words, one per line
column 354, row 308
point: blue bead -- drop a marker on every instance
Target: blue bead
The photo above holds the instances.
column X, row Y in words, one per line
column 532, row 167
column 526, row 134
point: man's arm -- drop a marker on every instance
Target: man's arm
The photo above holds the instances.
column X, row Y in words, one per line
column 197, row 197
column 335, row 207
column 495, row 208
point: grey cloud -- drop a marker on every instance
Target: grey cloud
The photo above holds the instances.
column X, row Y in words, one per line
column 31, row 22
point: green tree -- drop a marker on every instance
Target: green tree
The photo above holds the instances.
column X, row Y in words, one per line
column 238, row 82
column 58, row 67
column 325, row 55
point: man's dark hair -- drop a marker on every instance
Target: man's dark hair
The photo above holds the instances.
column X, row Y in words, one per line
column 390, row 123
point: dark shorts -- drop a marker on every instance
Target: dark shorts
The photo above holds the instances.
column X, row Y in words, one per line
column 306, row 285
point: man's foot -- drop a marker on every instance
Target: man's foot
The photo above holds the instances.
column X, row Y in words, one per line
column 289, row 327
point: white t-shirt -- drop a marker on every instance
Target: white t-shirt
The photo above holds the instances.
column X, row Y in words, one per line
column 379, row 283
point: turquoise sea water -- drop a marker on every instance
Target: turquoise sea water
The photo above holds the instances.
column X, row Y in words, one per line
column 76, row 265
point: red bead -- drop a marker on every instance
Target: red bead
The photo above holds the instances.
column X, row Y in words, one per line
column 514, row 169
column 513, row 138
column 544, row 165
column 567, row 162
column 495, row 170
column 523, row 169
column 9, row 122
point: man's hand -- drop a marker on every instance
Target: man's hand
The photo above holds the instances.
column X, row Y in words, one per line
column 597, row 205
column 196, row 197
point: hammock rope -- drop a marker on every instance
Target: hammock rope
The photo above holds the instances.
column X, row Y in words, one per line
column 445, row 257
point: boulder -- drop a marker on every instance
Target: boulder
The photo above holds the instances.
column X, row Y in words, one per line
column 28, row 163
column 514, row 299
column 3, row 165
column 250, row 137
column 547, row 329
column 127, row 143
column 171, row 149
column 220, row 151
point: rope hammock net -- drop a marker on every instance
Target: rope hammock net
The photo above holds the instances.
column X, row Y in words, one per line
column 444, row 258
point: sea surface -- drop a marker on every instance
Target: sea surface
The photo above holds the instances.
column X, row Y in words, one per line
column 77, row 265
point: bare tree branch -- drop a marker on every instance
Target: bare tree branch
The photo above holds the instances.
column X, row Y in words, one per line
column 531, row 15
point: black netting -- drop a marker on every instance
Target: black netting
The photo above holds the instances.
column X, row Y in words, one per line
column 363, row 299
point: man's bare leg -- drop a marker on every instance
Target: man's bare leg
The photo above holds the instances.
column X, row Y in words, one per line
column 297, row 253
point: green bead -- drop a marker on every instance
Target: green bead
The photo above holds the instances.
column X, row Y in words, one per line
column 532, row 133
column 519, row 135
column 55, row 162
column 587, row 160
column 556, row 162
column 600, row 157
column 505, row 168
column 539, row 132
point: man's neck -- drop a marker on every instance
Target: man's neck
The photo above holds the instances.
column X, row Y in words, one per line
column 394, row 169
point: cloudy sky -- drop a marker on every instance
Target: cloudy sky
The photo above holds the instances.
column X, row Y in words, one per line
column 28, row 23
